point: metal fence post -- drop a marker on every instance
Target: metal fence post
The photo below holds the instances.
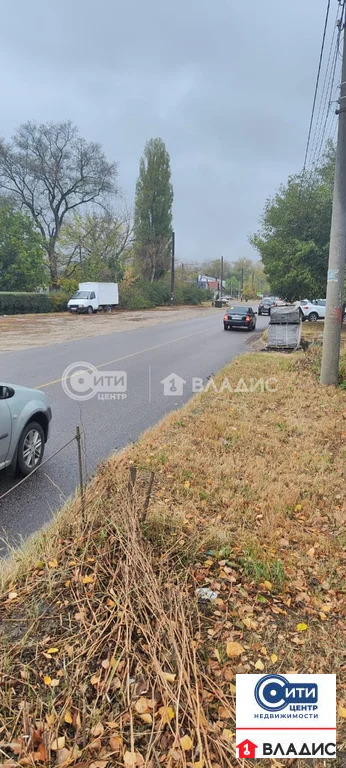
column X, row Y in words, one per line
column 80, row 464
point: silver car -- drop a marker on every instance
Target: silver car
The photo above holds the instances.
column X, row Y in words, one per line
column 24, row 427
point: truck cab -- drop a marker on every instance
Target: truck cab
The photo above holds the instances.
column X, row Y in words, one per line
column 84, row 301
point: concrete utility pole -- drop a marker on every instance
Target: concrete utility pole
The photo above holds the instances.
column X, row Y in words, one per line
column 337, row 251
column 172, row 267
column 221, row 281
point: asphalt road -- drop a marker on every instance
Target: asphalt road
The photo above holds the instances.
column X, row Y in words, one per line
column 190, row 349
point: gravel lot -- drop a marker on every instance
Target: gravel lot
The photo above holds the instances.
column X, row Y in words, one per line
column 25, row 331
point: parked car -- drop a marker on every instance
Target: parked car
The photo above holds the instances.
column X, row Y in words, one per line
column 24, row 427
column 240, row 316
column 221, row 302
column 313, row 310
column 265, row 305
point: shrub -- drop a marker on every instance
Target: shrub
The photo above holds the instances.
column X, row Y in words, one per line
column 22, row 303
column 30, row 303
column 59, row 301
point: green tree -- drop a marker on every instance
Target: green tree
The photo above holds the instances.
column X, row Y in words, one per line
column 50, row 170
column 294, row 237
column 22, row 252
column 94, row 245
column 153, row 211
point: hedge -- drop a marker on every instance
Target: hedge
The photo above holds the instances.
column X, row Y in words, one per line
column 139, row 295
column 30, row 303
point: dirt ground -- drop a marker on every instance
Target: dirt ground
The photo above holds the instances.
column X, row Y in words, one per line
column 25, row 331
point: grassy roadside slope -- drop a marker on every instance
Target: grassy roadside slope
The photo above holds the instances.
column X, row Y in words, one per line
column 107, row 656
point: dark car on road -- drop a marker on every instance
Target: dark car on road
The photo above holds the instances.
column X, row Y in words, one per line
column 265, row 306
column 239, row 316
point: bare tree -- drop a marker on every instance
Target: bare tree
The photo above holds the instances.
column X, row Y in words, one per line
column 95, row 243
column 50, row 170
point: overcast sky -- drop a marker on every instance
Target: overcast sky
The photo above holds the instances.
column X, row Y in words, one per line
column 227, row 84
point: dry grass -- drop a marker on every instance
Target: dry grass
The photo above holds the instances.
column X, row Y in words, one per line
column 249, row 500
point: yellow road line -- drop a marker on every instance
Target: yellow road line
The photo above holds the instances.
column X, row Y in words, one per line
column 127, row 357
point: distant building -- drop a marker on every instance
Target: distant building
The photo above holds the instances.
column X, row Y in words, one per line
column 211, row 283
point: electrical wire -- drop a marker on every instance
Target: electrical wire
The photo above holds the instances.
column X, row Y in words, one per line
column 332, row 85
column 324, row 92
column 316, row 86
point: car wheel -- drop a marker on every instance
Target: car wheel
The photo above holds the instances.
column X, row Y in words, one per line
column 259, row 312
column 89, row 310
column 30, row 448
column 225, row 327
column 108, row 309
column 313, row 317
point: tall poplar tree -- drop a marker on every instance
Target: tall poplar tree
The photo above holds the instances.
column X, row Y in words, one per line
column 153, row 211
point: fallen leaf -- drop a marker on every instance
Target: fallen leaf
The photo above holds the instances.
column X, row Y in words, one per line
column 169, row 676
column 55, row 682
column 224, row 713
column 68, row 717
column 311, row 552
column 53, row 563
column 105, row 663
column 88, row 579
column 58, row 743
column 68, row 583
column 250, row 623
column 167, row 714
column 199, row 764
column 47, row 680
column 97, row 730
column 16, row 746
column 268, row 585
column 259, row 665
column 146, row 718
column 50, row 720
column 227, row 734
column 301, row 627
column 12, row 595
column 186, row 743
column 63, row 756
column 234, row 649
column 142, row 705
column 342, row 711
column 51, row 651
column 187, row 484
column 116, row 743
column 273, row 658
column 98, row 764
column 95, row 745
column 95, row 679
column 130, row 758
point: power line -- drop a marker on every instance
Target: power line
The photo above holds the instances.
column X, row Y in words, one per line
column 331, row 84
column 317, row 85
column 324, row 93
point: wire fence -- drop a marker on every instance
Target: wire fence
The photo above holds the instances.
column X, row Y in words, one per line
column 77, row 438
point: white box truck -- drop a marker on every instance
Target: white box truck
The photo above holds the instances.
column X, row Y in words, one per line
column 92, row 297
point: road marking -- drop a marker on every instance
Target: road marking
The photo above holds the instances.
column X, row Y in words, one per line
column 127, row 357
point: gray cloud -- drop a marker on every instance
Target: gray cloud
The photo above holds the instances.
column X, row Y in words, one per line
column 227, row 84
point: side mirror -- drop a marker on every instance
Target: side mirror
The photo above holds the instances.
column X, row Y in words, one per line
column 6, row 392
